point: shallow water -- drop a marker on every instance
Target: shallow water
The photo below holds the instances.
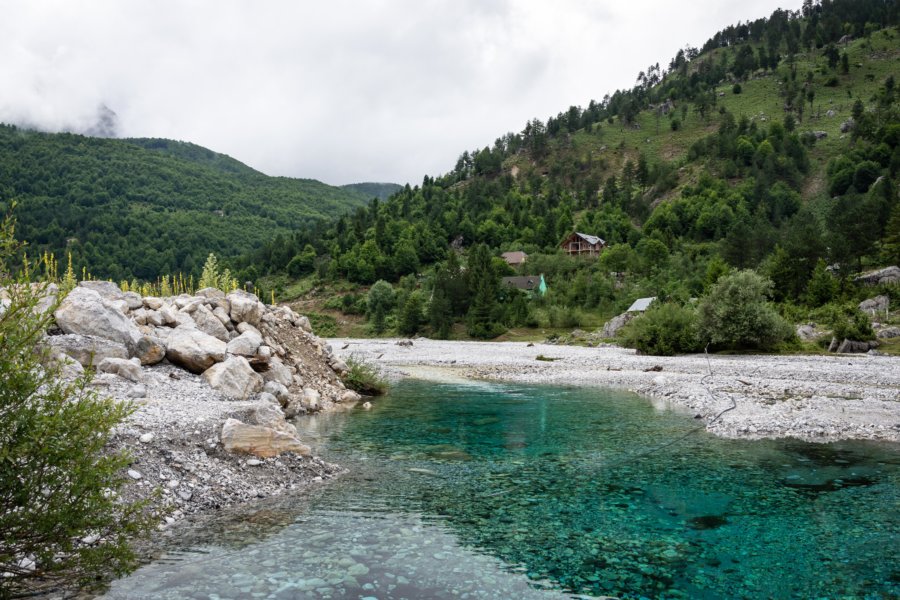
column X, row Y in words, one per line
column 508, row 491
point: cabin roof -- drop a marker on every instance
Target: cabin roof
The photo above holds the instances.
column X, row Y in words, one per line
column 593, row 240
column 523, row 282
column 641, row 304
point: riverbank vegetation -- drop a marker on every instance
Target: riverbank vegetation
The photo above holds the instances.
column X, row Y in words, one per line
column 61, row 518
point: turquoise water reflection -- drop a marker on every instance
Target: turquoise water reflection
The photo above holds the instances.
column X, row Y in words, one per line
column 501, row 491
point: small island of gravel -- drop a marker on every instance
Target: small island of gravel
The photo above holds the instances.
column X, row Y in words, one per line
column 809, row 397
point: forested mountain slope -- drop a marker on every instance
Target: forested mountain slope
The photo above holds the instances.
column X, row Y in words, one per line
column 775, row 146
column 147, row 207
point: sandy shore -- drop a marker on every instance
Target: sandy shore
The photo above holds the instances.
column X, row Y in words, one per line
column 818, row 398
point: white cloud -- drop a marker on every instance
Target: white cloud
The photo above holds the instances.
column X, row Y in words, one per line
column 386, row 90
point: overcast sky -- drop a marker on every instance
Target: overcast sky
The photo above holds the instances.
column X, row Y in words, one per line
column 337, row 90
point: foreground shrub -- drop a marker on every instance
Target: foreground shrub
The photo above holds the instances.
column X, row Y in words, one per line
column 664, row 330
column 364, row 378
column 737, row 315
column 60, row 515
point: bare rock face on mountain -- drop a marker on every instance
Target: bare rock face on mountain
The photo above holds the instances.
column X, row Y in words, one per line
column 84, row 311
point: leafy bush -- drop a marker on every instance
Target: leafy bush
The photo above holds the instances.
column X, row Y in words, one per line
column 323, row 325
column 736, row 314
column 60, row 516
column 380, row 302
column 564, row 317
column 736, row 88
column 664, row 330
column 364, row 378
column 847, row 322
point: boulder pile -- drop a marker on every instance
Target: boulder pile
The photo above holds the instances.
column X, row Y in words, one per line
column 242, row 348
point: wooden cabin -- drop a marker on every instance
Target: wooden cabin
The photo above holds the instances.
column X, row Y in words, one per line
column 582, row 244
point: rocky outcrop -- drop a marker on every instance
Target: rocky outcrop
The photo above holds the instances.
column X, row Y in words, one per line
column 887, row 333
column 881, row 276
column 611, row 328
column 808, row 332
column 878, row 304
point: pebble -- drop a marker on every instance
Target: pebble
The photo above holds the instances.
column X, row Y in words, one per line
column 138, row 391
column 146, row 438
column 135, row 474
column 254, row 462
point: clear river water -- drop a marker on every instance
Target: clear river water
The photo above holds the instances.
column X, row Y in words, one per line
column 509, row 491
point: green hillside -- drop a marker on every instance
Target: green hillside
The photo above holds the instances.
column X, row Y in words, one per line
column 146, row 207
column 774, row 147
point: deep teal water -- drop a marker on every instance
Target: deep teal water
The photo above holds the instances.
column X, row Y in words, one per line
column 508, row 491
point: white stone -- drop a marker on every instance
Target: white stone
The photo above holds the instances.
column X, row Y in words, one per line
column 146, row 438
column 245, row 307
column 234, row 378
column 85, row 312
column 135, row 474
column 245, row 344
column 121, row 367
column 194, row 350
column 209, row 323
column 260, row 441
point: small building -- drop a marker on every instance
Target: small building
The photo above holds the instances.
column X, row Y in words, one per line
column 641, row 304
column 514, row 259
column 531, row 284
column 582, row 244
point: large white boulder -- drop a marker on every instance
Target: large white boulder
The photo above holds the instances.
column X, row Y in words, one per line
column 107, row 289
column 87, row 349
column 194, row 350
column 121, row 367
column 245, row 344
column 85, row 312
column 234, row 377
column 150, row 350
column 245, row 307
column 258, row 440
column 208, row 323
column 277, row 371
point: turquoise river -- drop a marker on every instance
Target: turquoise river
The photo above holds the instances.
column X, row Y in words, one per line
column 508, row 491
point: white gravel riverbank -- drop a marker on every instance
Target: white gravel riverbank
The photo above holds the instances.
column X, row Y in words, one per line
column 817, row 398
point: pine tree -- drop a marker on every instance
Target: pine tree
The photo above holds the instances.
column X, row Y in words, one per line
column 483, row 284
column 440, row 310
column 891, row 245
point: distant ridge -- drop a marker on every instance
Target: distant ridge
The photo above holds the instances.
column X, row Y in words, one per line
column 142, row 208
column 370, row 190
